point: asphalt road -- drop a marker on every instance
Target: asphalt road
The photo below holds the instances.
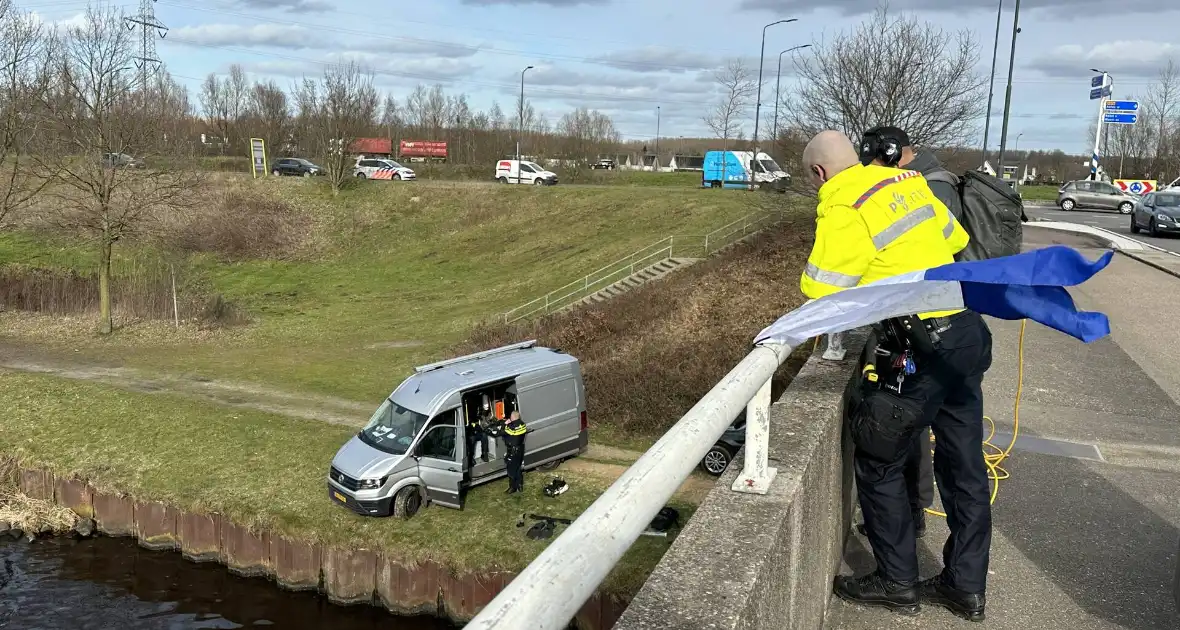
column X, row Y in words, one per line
column 1108, row 220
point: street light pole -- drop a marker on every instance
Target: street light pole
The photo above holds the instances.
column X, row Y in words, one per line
column 991, row 86
column 758, row 100
column 1016, row 151
column 657, row 136
column 1008, row 92
column 778, row 79
column 520, row 132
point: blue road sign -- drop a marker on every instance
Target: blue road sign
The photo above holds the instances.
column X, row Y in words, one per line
column 1097, row 81
column 1120, row 118
column 1122, row 106
column 1099, row 92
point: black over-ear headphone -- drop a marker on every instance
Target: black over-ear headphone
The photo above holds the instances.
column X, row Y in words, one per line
column 876, row 144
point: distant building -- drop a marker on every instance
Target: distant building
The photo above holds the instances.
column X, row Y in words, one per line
column 372, row 147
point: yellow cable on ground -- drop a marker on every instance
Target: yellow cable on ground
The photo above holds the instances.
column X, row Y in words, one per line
column 997, row 455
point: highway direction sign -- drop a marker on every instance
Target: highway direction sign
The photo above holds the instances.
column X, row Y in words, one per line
column 1120, row 118
column 1122, row 106
column 1101, row 92
column 1097, row 81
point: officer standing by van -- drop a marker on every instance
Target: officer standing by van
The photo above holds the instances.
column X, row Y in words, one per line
column 477, row 432
column 513, row 432
column 876, row 222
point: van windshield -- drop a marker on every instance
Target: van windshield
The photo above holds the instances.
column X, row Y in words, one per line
column 392, row 428
column 769, row 166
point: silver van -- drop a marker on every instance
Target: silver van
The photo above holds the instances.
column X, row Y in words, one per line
column 413, row 450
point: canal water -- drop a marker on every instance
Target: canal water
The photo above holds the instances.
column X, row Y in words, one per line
column 113, row 584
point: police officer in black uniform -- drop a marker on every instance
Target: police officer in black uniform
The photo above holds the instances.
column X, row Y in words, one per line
column 513, row 432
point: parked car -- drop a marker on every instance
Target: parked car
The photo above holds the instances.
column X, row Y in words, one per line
column 718, row 458
column 381, row 168
column 524, row 172
column 413, row 449
column 1096, row 195
column 120, row 160
column 1158, row 213
column 295, row 166
column 604, row 164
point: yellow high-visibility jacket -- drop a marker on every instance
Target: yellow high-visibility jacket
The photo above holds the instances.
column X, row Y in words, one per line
column 875, row 222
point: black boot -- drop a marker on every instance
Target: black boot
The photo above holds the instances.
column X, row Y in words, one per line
column 966, row 605
column 874, row 590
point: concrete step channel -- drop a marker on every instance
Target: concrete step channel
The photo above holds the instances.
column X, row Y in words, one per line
column 638, row 279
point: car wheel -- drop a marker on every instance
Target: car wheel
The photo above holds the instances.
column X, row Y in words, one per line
column 1126, row 207
column 548, row 466
column 1134, row 225
column 714, row 184
column 276, row 173
column 307, row 173
column 502, row 180
column 360, row 176
column 538, row 182
column 716, row 460
column 397, row 177
column 407, row 502
column 1067, row 204
column 1152, row 229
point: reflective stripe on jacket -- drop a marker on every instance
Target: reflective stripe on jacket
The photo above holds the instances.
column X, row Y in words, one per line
column 875, row 222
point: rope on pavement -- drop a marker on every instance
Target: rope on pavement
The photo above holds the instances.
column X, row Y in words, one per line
column 994, row 456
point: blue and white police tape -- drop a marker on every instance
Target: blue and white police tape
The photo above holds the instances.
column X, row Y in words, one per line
column 1030, row 285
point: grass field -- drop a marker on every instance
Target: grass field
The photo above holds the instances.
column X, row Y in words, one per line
column 393, row 274
column 269, row 472
column 372, row 282
column 1039, row 193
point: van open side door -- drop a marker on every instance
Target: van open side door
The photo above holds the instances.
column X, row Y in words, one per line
column 440, row 460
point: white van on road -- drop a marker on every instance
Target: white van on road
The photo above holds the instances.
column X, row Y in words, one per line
column 524, row 172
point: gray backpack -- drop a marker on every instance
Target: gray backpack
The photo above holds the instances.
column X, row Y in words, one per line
column 993, row 214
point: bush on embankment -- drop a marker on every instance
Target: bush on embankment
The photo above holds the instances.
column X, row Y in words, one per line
column 651, row 353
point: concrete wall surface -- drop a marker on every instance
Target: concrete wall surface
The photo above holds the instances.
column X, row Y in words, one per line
column 745, row 561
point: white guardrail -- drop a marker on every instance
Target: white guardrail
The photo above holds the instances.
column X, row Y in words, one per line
column 662, row 249
column 551, row 590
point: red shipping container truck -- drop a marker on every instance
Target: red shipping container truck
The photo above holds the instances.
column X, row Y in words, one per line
column 422, row 149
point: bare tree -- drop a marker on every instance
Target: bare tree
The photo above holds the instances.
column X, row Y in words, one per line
column 270, row 113
column 738, row 87
column 1162, row 106
column 341, row 107
column 891, row 71
column 95, row 118
column 22, row 81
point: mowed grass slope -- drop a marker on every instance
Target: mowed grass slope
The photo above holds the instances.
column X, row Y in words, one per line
column 269, row 473
column 393, row 274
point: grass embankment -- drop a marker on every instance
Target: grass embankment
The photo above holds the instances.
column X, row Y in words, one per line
column 1038, row 193
column 648, row 354
column 382, row 277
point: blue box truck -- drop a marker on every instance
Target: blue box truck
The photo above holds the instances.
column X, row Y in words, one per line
column 731, row 169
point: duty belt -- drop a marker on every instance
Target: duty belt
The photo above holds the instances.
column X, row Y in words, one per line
column 909, row 331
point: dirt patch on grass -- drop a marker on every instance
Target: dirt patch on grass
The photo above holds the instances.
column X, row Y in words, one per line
column 651, row 353
column 393, row 345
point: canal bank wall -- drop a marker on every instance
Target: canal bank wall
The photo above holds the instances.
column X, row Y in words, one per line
column 344, row 576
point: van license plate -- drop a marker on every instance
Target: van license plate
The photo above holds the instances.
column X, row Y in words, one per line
column 340, row 497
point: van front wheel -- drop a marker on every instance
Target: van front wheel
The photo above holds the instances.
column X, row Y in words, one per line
column 548, row 466
column 407, row 502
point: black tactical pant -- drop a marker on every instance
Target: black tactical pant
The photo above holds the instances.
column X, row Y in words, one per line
column 476, row 435
column 513, row 461
column 948, row 388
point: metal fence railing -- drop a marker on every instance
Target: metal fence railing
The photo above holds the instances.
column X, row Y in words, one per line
column 663, row 249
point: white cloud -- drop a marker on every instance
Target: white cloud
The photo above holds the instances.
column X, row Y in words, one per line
column 1073, row 8
column 657, row 59
column 560, row 4
column 425, row 70
column 1136, row 58
column 287, row 36
column 290, row 6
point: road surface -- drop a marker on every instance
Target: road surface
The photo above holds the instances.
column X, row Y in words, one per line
column 1120, row 223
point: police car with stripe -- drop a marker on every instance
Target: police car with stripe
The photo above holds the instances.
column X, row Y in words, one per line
column 380, row 168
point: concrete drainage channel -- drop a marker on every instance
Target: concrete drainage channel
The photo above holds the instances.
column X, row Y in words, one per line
column 637, row 279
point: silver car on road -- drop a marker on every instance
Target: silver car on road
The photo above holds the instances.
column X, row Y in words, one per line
column 1158, row 213
column 1094, row 195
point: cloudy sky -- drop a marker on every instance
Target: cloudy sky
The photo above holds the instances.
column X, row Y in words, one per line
column 626, row 57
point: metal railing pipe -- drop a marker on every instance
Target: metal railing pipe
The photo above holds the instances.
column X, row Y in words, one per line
column 548, row 593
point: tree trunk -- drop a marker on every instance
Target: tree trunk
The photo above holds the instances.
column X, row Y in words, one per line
column 105, row 325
